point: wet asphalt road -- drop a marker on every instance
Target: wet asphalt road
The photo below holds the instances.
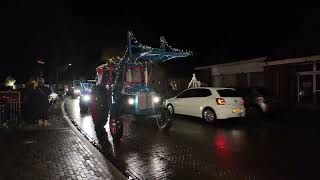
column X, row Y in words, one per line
column 193, row 149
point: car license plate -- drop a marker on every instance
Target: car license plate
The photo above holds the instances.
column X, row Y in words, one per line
column 238, row 110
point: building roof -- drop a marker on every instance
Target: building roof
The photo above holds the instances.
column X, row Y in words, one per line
column 292, row 60
column 264, row 61
column 255, row 60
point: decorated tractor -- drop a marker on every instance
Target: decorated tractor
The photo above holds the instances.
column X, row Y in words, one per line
column 123, row 87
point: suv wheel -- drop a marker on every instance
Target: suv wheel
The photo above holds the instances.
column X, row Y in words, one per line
column 164, row 120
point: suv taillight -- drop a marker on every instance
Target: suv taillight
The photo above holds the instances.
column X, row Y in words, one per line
column 220, row 101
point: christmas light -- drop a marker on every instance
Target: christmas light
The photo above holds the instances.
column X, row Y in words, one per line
column 119, row 63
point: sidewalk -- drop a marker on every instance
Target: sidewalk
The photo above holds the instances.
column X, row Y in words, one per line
column 57, row 152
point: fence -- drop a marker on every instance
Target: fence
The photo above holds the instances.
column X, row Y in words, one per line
column 10, row 108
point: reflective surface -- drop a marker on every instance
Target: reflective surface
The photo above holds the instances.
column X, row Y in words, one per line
column 193, row 149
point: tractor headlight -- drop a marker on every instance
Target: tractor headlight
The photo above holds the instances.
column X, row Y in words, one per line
column 156, row 99
column 130, row 101
column 86, row 97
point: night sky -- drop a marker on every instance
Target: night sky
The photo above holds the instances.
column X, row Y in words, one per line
column 78, row 32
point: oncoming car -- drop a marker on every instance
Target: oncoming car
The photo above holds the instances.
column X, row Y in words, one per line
column 84, row 102
column 209, row 103
column 85, row 96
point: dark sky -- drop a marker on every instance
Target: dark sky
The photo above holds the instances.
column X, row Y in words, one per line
column 78, row 32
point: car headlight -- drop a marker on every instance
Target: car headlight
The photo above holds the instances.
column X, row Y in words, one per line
column 156, row 99
column 77, row 91
column 86, row 97
column 130, row 101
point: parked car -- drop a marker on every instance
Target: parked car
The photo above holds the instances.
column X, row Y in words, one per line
column 209, row 103
column 258, row 102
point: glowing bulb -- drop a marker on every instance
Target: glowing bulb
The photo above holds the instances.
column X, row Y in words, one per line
column 156, row 99
column 131, row 101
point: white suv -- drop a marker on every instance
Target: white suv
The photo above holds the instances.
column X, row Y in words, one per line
column 208, row 103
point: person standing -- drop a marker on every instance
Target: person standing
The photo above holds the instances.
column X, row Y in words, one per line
column 43, row 93
column 30, row 105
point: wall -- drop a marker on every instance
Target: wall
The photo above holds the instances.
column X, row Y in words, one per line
column 235, row 74
column 280, row 81
column 237, row 68
column 204, row 76
column 256, row 79
column 242, row 80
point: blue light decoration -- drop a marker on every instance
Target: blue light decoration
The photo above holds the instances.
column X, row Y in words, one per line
column 137, row 56
column 140, row 55
column 147, row 53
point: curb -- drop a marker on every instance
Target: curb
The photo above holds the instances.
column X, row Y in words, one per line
column 105, row 162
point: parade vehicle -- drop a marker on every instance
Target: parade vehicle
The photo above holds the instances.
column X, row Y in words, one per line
column 85, row 95
column 76, row 88
column 123, row 87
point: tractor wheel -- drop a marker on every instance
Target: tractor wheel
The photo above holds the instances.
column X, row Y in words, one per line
column 164, row 120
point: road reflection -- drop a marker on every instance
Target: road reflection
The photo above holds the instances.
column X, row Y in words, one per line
column 84, row 120
column 144, row 152
column 87, row 125
column 195, row 150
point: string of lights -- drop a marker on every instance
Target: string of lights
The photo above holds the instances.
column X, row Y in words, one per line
column 163, row 42
column 134, row 40
column 120, row 62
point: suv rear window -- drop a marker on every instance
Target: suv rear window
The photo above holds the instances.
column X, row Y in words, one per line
column 228, row 93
